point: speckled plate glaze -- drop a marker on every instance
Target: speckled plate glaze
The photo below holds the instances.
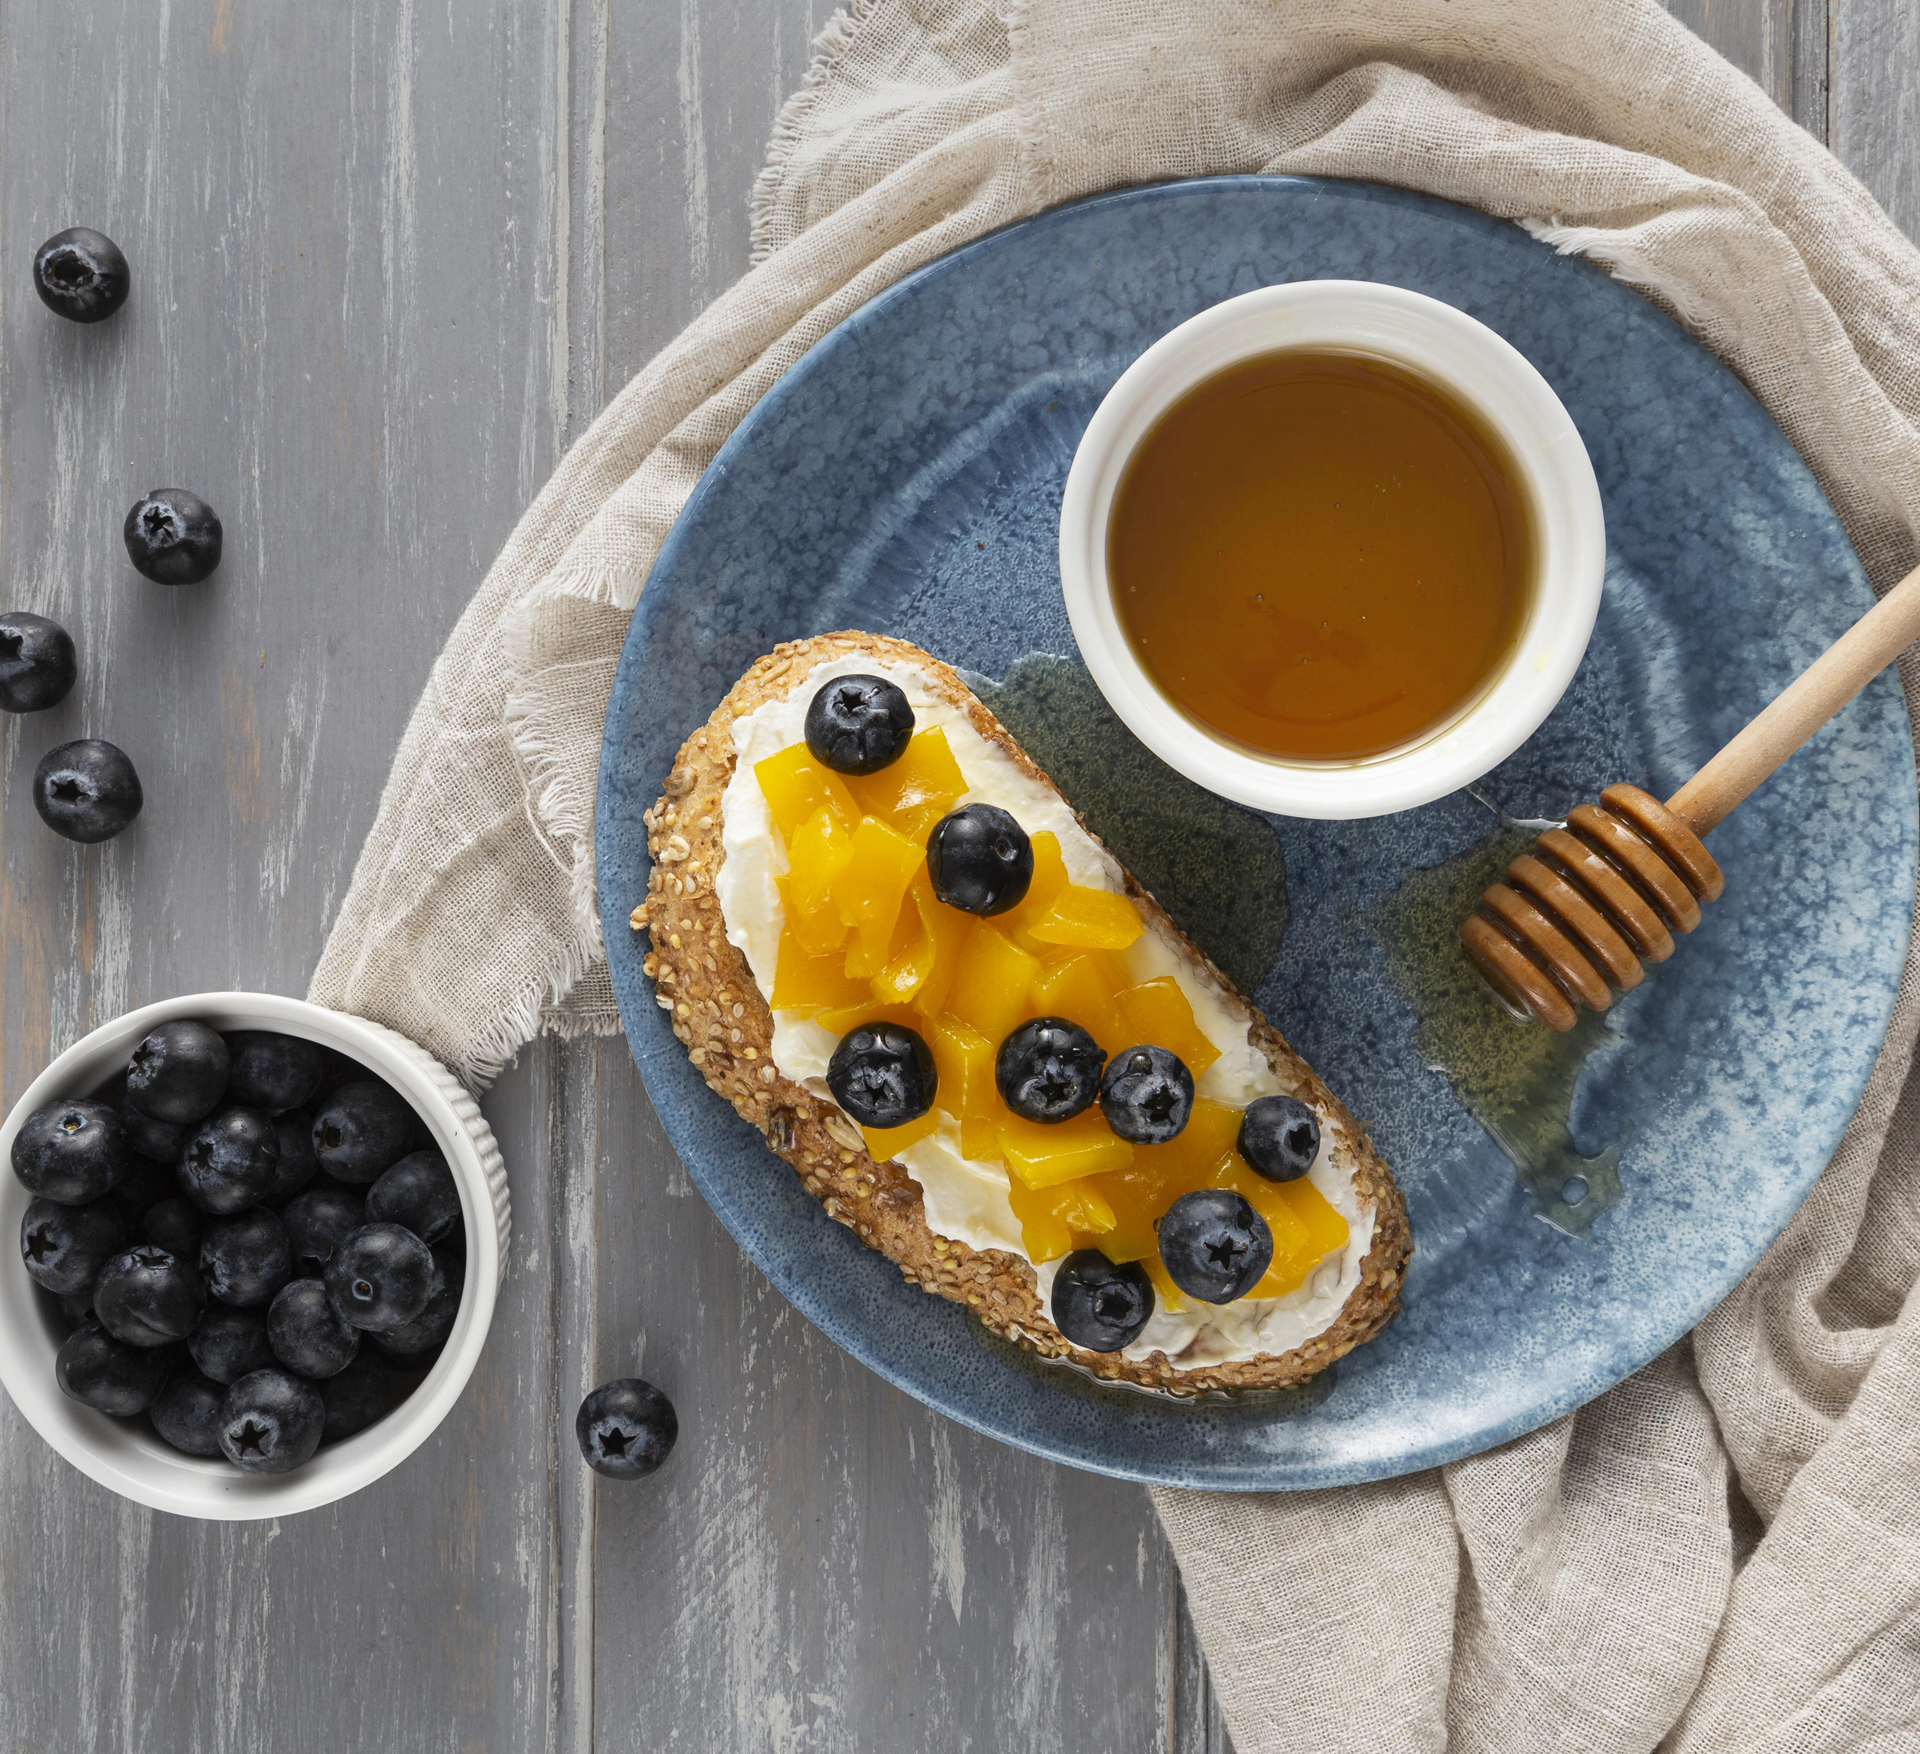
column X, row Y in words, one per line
column 906, row 477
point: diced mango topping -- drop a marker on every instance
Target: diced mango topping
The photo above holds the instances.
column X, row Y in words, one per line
column 1040, row 1155
column 914, row 792
column 990, row 987
column 1157, row 1011
column 795, row 785
column 1089, row 919
column 865, row 940
column 1084, row 988
column 1053, row 1220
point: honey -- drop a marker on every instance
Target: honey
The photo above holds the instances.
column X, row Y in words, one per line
column 1321, row 556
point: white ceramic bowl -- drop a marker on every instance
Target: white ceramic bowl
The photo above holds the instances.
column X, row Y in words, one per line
column 124, row 1454
column 1435, row 341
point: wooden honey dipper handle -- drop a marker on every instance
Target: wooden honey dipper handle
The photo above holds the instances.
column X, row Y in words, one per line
column 1802, row 707
column 1579, row 914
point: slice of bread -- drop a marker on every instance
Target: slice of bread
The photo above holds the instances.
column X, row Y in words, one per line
column 720, row 1014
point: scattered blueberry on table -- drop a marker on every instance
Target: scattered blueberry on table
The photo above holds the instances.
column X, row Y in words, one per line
column 208, row 1276
column 626, row 1428
column 173, row 537
column 87, row 790
column 81, row 275
column 38, row 665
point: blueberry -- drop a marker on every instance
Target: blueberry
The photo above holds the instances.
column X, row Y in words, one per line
column 355, row 1398
column 273, row 1072
column 418, row 1192
column 1146, row 1095
column 306, row 1332
column 65, row 1247
column 317, row 1222
column 298, row 1166
column 980, row 860
column 270, row 1422
column 1280, row 1137
column 414, row 1345
column 230, row 1343
column 1049, row 1070
column 186, row 1413
column 380, row 1276
column 858, row 724
column 148, row 1297
column 1099, row 1305
column 626, row 1428
column 173, row 537
column 160, row 1141
column 175, row 1225
column 86, row 791
column 883, row 1075
column 37, row 663
column 246, row 1259
column 143, row 1183
column 81, row 275
column 361, row 1129
column 1214, row 1245
column 76, row 1308
column 70, row 1151
column 178, row 1072
column 92, row 1366
column 230, row 1161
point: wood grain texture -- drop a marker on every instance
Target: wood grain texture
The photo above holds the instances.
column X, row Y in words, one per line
column 389, row 258
column 340, row 227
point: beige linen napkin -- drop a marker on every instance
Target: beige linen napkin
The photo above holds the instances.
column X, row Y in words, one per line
column 1599, row 1585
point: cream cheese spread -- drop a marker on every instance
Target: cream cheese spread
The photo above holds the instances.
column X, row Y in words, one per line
column 966, row 1200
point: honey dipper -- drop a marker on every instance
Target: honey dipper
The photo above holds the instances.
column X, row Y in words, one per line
column 1596, row 898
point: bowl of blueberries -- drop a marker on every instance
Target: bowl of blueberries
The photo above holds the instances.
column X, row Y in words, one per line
column 260, row 1246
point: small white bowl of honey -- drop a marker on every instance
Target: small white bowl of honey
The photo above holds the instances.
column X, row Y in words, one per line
column 1332, row 549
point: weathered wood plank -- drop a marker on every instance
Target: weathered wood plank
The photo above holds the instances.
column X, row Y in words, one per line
column 340, row 228
column 1875, row 102
column 826, row 1565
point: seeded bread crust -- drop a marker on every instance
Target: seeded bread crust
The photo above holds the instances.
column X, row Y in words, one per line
column 718, row 1012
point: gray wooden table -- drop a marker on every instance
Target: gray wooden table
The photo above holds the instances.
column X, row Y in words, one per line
column 390, row 258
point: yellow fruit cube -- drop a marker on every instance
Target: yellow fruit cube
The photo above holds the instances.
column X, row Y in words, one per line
column 913, row 793
column 1089, row 919
column 1083, row 989
column 925, row 976
column 795, row 785
column 888, row 1142
column 844, row 1019
column 818, row 854
column 1044, row 1230
column 819, row 933
column 1040, row 1156
column 991, row 981
column 963, row 1057
column 803, row 981
column 868, row 893
column 1158, row 1014
column 1055, row 1219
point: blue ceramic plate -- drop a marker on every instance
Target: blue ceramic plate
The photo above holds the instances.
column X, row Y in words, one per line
column 905, row 477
